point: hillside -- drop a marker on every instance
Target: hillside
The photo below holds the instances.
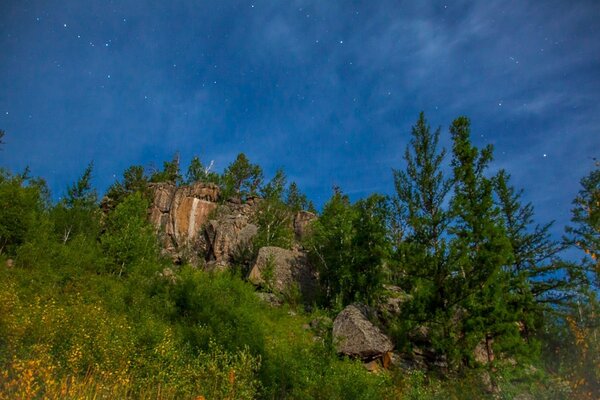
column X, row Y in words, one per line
column 230, row 286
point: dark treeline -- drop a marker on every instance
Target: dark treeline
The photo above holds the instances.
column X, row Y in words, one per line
column 86, row 311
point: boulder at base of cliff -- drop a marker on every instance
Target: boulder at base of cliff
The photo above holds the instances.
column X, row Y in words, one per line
column 355, row 336
column 281, row 270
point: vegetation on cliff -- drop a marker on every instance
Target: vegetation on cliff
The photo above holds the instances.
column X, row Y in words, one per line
column 90, row 306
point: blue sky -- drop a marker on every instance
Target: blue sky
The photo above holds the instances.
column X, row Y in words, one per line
column 327, row 90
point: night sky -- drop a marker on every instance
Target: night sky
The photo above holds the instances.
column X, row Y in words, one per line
column 327, row 90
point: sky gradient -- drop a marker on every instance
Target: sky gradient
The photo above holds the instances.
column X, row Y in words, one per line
column 327, row 90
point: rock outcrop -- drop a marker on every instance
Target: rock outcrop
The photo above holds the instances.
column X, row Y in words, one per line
column 302, row 221
column 355, row 336
column 178, row 213
column 280, row 270
column 230, row 232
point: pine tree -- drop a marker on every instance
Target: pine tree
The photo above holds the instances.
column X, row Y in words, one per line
column 585, row 233
column 421, row 191
column 170, row 172
column 242, row 178
column 371, row 246
column 478, row 251
column 297, row 200
column 134, row 180
column 275, row 188
column 538, row 276
column 197, row 172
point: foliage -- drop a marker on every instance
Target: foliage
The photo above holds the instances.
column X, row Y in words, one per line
column 297, row 200
column 242, row 178
column 348, row 244
column 129, row 240
column 169, row 173
column 78, row 213
column 21, row 202
column 585, row 232
column 420, row 227
column 89, row 308
column 134, row 180
column 197, row 172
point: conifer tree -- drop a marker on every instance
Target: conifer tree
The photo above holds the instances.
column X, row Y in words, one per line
column 421, row 190
column 197, row 172
column 134, row 180
column 538, row 277
column 478, row 251
column 296, row 200
column 585, row 232
column 170, row 172
column 242, row 178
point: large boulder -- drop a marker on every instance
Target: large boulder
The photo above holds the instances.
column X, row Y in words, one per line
column 280, row 270
column 227, row 236
column 355, row 336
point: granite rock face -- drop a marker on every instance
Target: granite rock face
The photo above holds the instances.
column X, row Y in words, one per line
column 179, row 213
column 230, row 231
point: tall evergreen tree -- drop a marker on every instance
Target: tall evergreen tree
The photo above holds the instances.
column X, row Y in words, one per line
column 371, row 246
column 585, row 231
column 538, row 276
column 421, row 191
column 478, row 251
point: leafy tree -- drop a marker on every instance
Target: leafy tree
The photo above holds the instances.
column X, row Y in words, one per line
column 273, row 218
column 330, row 248
column 78, row 212
column 129, row 240
column 371, row 247
column 348, row 245
column 242, row 178
column 21, row 204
